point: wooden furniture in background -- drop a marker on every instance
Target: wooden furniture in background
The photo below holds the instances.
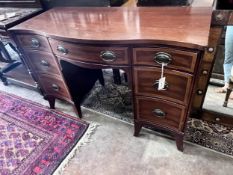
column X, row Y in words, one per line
column 218, row 72
column 138, row 45
column 80, row 3
column 12, row 12
column 220, row 18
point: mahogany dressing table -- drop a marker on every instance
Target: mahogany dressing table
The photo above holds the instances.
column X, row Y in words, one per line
column 138, row 40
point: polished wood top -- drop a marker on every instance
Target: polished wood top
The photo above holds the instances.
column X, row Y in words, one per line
column 181, row 26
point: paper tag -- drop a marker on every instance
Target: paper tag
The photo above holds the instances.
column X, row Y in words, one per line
column 162, row 79
column 161, row 83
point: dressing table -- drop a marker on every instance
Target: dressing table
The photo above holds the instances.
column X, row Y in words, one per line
column 138, row 40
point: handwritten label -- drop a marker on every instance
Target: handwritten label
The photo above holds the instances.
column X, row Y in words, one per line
column 161, row 83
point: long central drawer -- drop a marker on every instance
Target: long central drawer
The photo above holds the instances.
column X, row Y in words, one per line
column 86, row 53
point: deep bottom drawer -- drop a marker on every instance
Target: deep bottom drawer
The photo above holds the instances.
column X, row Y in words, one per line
column 160, row 112
column 54, row 86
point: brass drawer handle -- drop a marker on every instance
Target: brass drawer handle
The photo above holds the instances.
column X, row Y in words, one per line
column 205, row 72
column 61, row 49
column 108, row 56
column 156, row 85
column 159, row 113
column 200, row 92
column 44, row 63
column 162, row 57
column 219, row 17
column 55, row 87
column 35, row 43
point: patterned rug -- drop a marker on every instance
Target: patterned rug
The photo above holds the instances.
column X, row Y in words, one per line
column 213, row 136
column 33, row 139
column 115, row 101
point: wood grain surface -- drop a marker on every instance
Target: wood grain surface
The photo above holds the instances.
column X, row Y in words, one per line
column 174, row 114
column 179, row 84
column 180, row 26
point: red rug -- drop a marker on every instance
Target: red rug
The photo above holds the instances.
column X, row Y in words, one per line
column 34, row 139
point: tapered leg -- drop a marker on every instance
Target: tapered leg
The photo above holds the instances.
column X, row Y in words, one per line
column 179, row 142
column 126, row 78
column 78, row 110
column 5, row 53
column 4, row 80
column 51, row 101
column 137, row 128
column 227, row 97
column 101, row 78
column 116, row 76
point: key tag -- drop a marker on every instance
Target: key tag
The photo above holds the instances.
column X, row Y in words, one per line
column 162, row 80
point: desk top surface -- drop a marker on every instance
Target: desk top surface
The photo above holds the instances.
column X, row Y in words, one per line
column 181, row 26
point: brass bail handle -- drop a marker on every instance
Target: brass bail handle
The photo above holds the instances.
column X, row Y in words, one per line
column 159, row 113
column 55, row 87
column 62, row 49
column 163, row 58
column 44, row 63
column 35, row 43
column 108, row 56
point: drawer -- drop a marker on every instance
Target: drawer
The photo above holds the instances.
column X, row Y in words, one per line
column 54, row 86
column 160, row 112
column 43, row 62
column 101, row 55
column 178, row 59
column 178, row 84
column 33, row 42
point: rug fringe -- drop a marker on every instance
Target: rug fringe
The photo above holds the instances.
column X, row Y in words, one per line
column 86, row 138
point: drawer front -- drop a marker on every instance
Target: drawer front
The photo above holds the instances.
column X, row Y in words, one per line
column 101, row 55
column 33, row 42
column 160, row 112
column 54, row 86
column 178, row 59
column 178, row 84
column 42, row 62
